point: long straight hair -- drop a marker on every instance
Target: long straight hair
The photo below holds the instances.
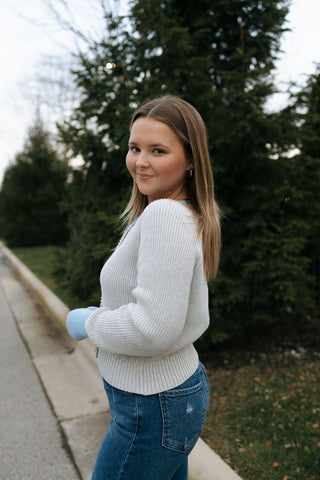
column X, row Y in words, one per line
column 186, row 122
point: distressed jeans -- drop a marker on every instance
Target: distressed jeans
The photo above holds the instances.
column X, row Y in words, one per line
column 151, row 436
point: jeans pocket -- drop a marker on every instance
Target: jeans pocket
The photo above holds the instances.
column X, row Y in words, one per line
column 183, row 414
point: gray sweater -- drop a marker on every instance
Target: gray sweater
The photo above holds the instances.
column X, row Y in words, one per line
column 154, row 302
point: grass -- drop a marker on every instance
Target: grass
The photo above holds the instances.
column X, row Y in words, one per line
column 265, row 409
column 264, row 417
column 41, row 261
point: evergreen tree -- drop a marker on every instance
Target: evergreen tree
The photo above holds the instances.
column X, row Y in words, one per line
column 32, row 189
column 305, row 169
column 98, row 132
column 218, row 55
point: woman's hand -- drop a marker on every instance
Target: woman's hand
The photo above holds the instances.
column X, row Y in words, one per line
column 76, row 321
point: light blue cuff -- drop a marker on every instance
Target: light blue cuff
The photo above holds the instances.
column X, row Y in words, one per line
column 76, row 321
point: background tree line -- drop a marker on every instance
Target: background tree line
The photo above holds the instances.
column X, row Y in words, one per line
column 219, row 56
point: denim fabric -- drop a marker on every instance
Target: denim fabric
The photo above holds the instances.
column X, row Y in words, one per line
column 150, row 437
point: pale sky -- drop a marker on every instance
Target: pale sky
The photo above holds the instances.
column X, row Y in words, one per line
column 29, row 35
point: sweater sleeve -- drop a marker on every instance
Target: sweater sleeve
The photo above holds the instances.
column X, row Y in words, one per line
column 151, row 324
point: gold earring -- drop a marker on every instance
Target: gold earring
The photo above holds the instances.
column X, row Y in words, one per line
column 190, row 173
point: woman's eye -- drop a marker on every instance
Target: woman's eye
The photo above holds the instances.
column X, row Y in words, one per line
column 158, row 151
column 134, row 149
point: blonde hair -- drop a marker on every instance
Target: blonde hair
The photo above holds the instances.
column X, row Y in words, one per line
column 189, row 127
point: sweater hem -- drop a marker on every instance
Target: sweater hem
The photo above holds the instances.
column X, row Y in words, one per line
column 148, row 376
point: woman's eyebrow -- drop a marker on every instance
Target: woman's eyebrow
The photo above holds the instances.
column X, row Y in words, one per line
column 153, row 145
column 158, row 145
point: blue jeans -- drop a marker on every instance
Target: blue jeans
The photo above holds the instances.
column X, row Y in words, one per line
column 151, row 436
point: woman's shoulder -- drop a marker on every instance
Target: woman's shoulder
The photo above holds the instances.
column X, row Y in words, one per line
column 166, row 215
column 169, row 208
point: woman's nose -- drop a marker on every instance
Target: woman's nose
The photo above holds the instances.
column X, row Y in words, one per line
column 142, row 160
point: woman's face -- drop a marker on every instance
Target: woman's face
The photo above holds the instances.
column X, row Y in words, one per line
column 156, row 160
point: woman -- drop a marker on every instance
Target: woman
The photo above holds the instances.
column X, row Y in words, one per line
column 155, row 299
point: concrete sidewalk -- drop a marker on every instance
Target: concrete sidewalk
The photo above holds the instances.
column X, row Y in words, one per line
column 69, row 376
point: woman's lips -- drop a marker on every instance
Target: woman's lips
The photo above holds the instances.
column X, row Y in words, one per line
column 143, row 176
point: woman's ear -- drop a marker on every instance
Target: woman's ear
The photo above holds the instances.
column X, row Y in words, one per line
column 190, row 166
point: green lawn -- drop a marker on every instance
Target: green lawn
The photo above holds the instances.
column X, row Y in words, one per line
column 41, row 261
column 264, row 418
column 264, row 415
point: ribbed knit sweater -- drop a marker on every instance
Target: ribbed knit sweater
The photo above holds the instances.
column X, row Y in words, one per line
column 154, row 302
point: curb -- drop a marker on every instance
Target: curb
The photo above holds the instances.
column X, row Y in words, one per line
column 204, row 463
column 51, row 303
